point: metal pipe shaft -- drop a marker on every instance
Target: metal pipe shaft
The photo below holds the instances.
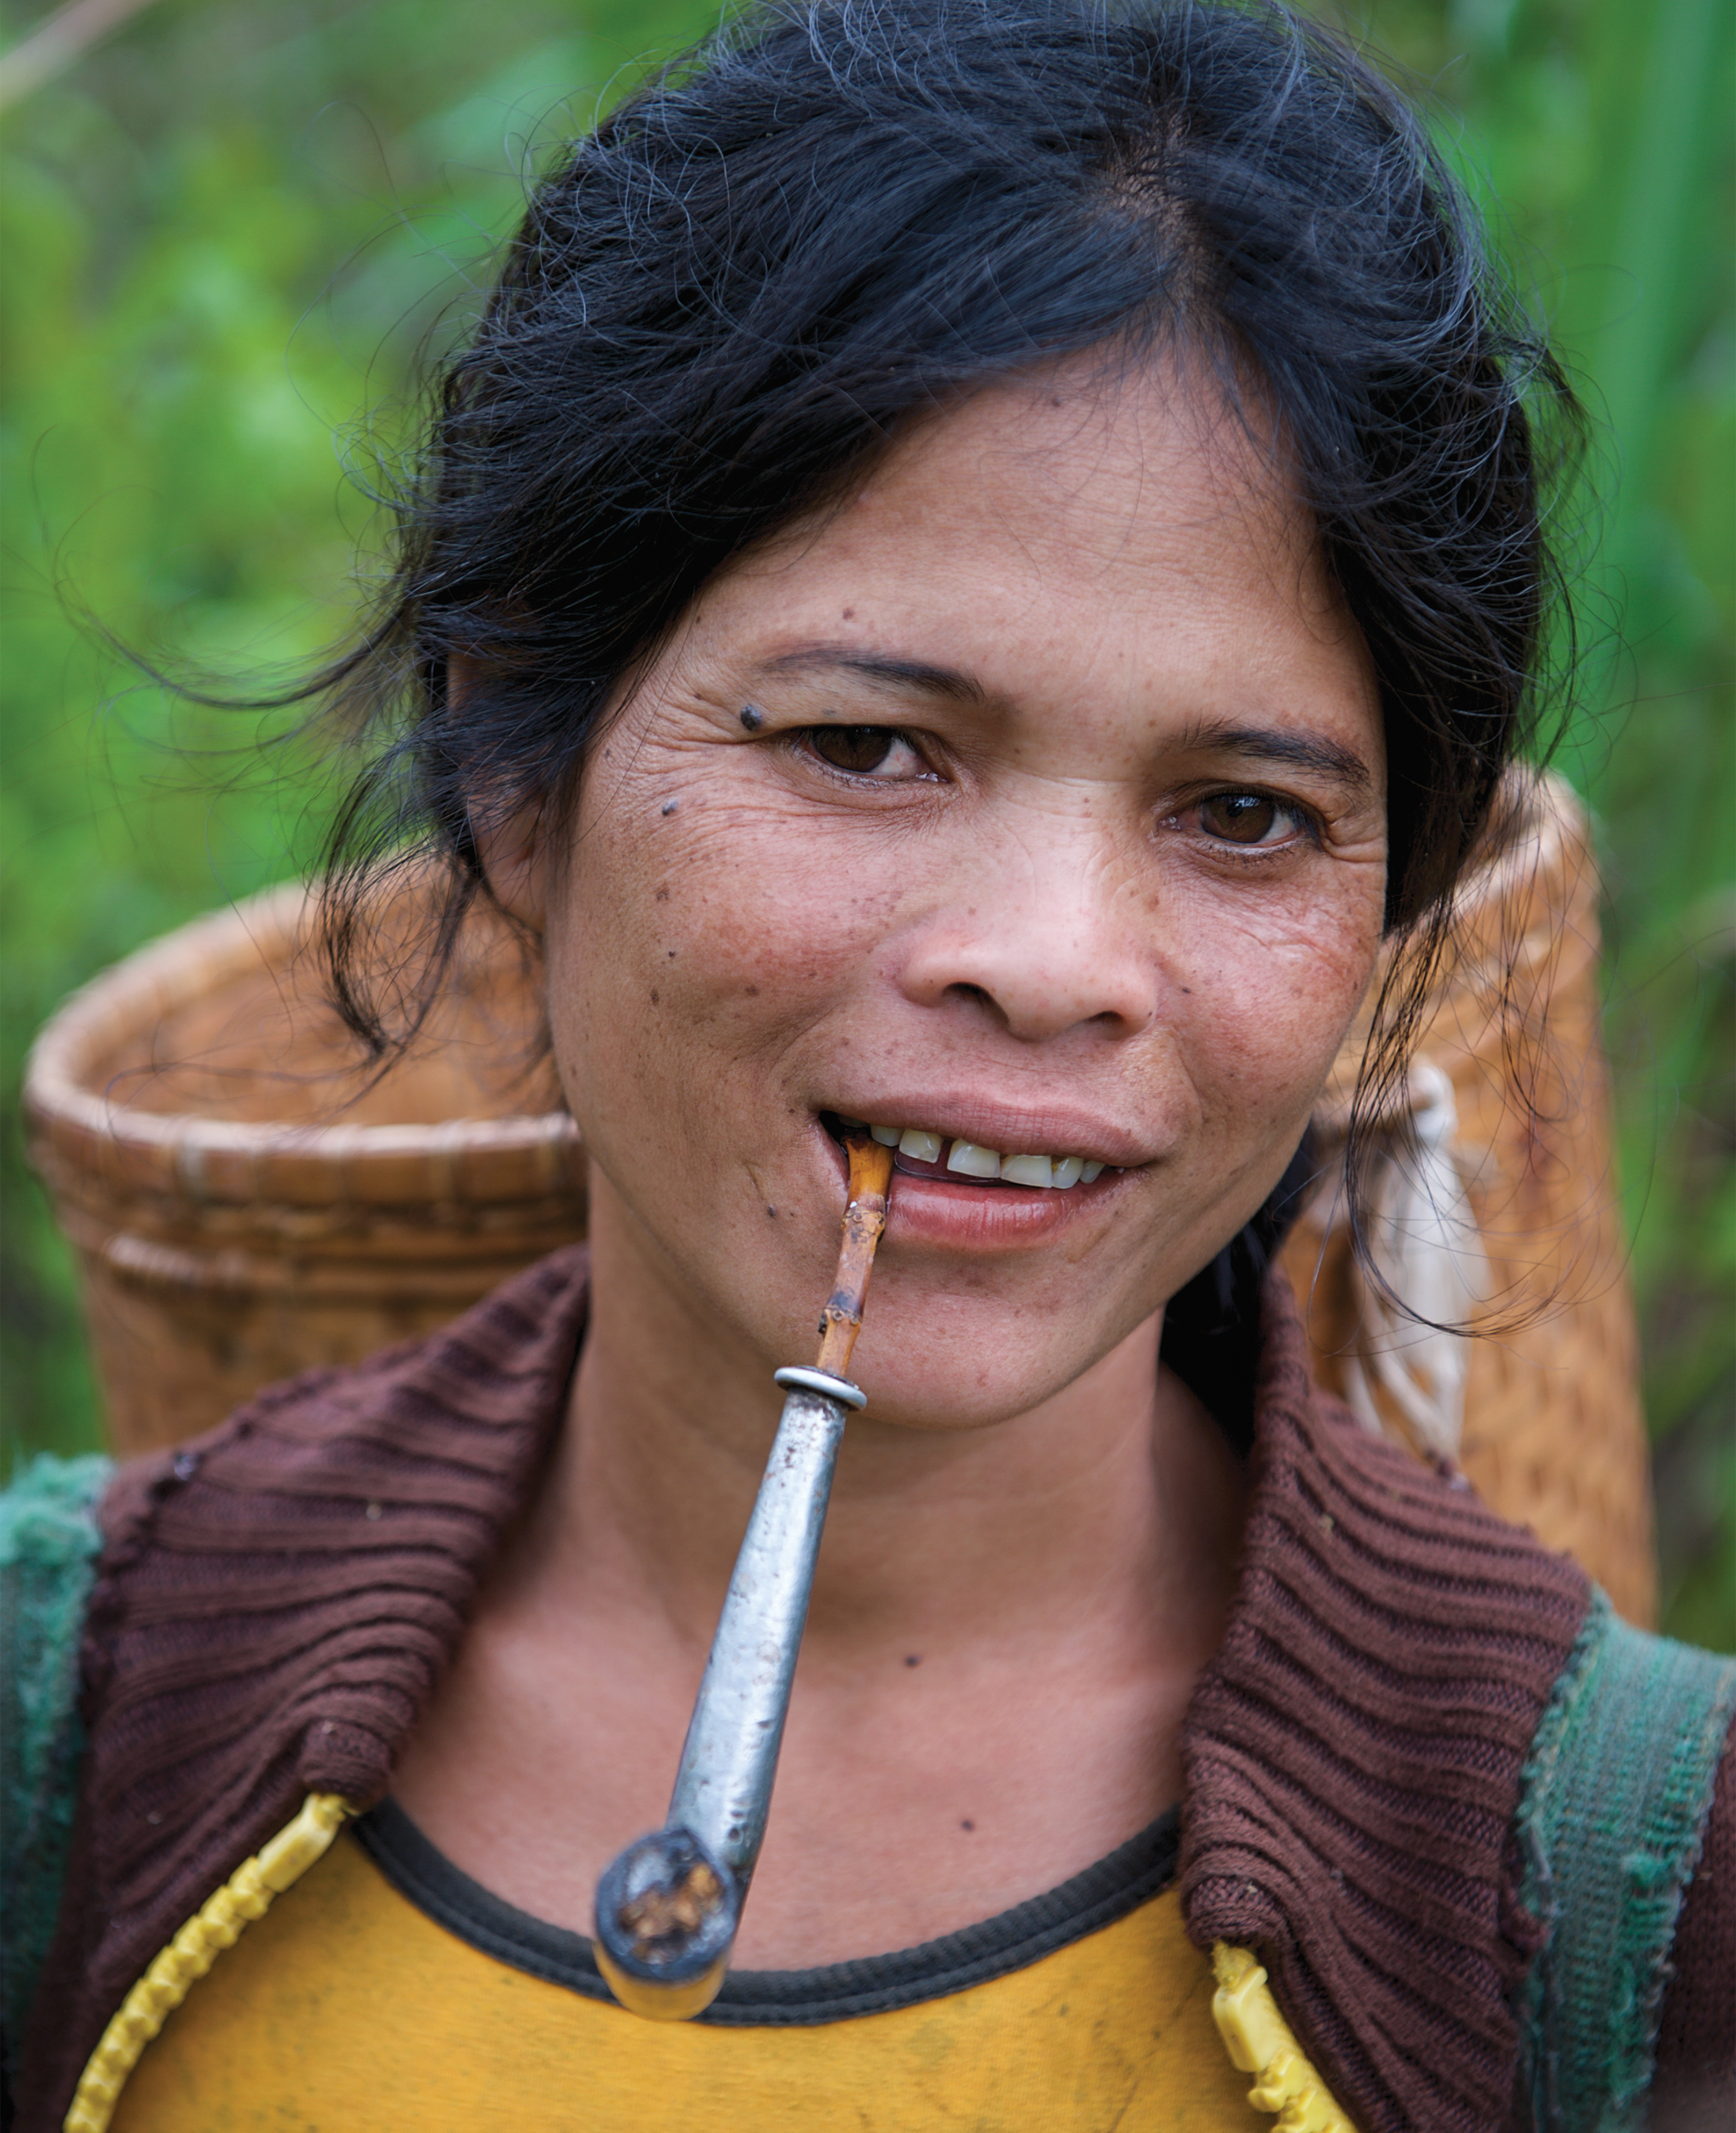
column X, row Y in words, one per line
column 669, row 1907
column 723, row 1790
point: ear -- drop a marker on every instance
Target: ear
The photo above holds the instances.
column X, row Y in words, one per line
column 512, row 853
column 511, row 848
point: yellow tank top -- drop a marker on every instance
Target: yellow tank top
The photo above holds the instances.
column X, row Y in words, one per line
column 387, row 1993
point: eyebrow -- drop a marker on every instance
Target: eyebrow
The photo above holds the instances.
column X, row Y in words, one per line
column 951, row 681
column 1301, row 751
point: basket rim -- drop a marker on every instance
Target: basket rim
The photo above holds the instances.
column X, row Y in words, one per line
column 177, row 1146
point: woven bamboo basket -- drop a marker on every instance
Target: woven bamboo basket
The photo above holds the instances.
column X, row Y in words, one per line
column 1552, row 1433
column 245, row 1204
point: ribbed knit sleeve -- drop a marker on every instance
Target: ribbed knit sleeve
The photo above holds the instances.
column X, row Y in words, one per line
column 274, row 1604
column 1353, row 1757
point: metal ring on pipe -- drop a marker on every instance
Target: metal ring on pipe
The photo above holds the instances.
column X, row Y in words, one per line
column 794, row 1377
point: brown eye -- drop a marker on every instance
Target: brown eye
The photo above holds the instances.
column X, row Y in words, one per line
column 860, row 750
column 1241, row 818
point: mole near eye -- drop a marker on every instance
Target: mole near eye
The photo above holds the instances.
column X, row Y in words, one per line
column 752, row 719
column 1240, row 818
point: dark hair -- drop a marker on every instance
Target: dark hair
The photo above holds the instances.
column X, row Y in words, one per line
column 835, row 216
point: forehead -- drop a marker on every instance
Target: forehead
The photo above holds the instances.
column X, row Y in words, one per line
column 1081, row 522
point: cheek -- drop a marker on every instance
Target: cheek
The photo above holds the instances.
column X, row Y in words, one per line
column 1270, row 998
column 691, row 949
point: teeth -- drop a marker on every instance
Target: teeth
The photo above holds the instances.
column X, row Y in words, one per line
column 968, row 1158
column 1028, row 1170
column 971, row 1161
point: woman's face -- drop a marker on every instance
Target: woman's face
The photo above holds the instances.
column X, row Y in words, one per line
column 1033, row 799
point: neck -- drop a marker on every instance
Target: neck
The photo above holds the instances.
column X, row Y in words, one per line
column 1007, row 1626
column 1108, row 1512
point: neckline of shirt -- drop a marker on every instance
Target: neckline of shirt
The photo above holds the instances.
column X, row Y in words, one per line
column 1107, row 1890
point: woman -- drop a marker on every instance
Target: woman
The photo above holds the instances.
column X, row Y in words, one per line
column 976, row 566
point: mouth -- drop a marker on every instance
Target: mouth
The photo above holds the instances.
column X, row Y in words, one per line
column 921, row 1152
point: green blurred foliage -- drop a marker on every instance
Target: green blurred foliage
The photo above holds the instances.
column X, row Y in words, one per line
column 226, row 231
column 1601, row 135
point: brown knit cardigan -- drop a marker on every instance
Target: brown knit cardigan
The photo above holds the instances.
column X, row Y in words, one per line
column 275, row 1603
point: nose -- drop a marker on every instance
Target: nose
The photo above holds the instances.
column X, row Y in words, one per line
column 1051, row 931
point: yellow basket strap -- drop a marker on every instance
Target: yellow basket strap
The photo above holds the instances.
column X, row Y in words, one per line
column 245, row 1896
column 1261, row 2042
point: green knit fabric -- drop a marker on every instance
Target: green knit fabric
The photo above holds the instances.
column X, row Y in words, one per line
column 49, row 1542
column 1613, row 1807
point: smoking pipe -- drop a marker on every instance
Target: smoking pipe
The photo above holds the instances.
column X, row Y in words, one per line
column 670, row 1906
